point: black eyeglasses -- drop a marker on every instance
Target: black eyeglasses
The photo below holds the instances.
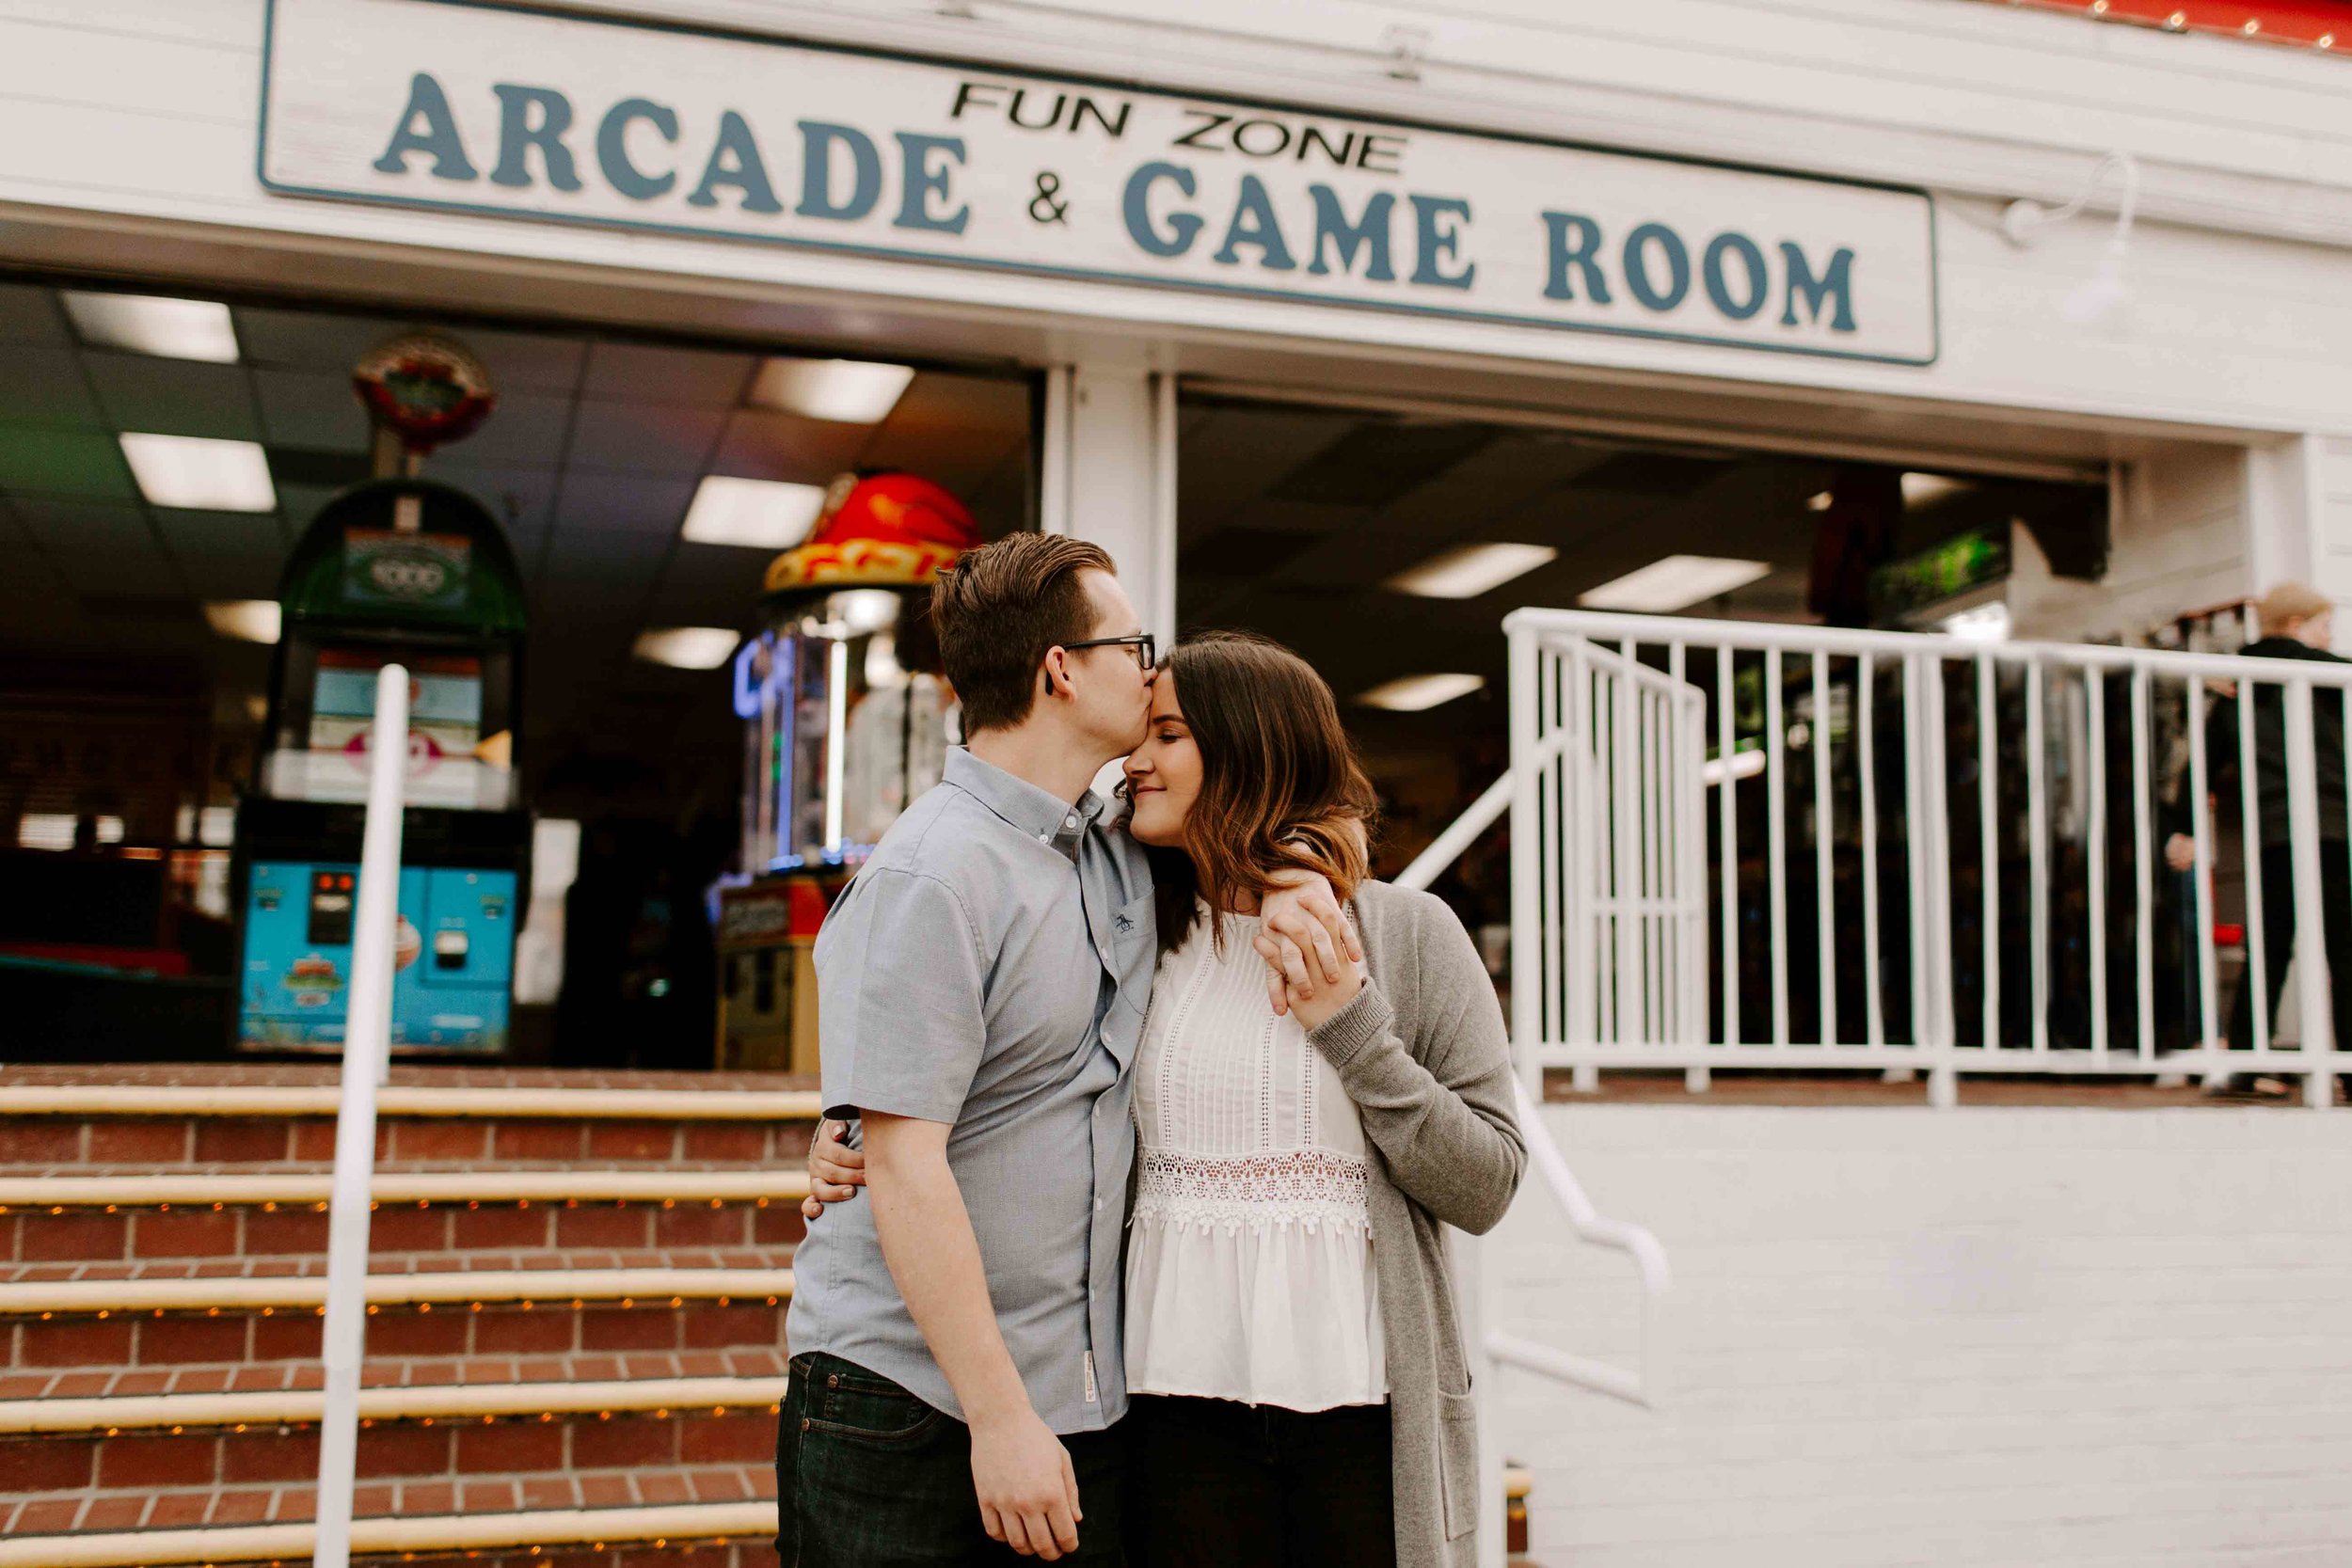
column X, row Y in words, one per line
column 1147, row 651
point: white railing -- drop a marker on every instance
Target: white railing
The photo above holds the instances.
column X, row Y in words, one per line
column 1762, row 846
column 367, row 1062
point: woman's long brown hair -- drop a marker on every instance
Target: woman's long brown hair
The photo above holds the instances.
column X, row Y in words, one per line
column 1281, row 787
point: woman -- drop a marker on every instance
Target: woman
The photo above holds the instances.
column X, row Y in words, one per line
column 1292, row 1344
column 1300, row 1394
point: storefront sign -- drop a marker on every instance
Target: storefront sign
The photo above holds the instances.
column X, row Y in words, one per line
column 463, row 107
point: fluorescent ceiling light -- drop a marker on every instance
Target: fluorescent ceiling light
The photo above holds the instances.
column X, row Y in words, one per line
column 1927, row 489
column 145, row 324
column 246, row 620
column 1674, row 583
column 1418, row 693
column 687, row 647
column 198, row 474
column 849, row 391
column 1984, row 622
column 45, row 829
column 757, row 513
column 1471, row 570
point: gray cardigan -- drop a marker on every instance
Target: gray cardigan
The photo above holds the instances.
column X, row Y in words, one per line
column 1425, row 1054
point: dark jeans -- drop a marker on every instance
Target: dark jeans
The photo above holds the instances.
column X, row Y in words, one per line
column 2279, row 941
column 867, row 1476
column 1218, row 1484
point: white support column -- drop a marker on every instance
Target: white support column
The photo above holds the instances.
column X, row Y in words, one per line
column 1109, row 476
column 2283, row 513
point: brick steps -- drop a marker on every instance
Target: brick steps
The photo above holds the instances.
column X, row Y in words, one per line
column 728, row 1311
column 167, row 1139
column 157, row 1239
column 391, row 1373
column 260, row 1470
column 575, row 1340
column 702, row 1534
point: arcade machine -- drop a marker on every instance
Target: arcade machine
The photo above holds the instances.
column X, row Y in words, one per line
column 398, row 569
column 847, row 719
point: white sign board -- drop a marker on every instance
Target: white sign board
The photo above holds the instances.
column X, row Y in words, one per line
column 458, row 106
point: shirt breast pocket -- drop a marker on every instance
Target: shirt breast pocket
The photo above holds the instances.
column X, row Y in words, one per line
column 1135, row 949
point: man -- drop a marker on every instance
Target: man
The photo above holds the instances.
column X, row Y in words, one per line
column 2297, row 623
column 981, row 986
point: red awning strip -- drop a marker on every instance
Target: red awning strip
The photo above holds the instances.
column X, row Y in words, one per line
column 2321, row 24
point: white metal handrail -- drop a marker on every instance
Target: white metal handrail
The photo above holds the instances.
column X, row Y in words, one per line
column 1791, row 716
column 1590, row 1224
column 367, row 1062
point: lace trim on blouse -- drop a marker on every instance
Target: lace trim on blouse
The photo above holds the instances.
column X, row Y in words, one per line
column 1307, row 1188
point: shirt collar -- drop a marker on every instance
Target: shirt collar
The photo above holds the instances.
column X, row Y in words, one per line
column 1032, row 812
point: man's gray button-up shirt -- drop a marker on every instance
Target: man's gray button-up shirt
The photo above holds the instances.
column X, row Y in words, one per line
column 988, row 968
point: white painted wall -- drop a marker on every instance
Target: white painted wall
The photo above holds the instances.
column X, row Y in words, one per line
column 1985, row 1337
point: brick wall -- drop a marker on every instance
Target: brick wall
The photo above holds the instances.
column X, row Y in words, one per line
column 1985, row 1337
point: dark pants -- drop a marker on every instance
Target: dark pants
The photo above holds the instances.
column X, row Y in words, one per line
column 1218, row 1485
column 2279, row 941
column 867, row 1476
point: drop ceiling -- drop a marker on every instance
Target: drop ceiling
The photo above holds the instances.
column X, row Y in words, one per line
column 590, row 460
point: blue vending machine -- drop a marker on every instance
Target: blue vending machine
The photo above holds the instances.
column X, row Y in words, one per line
column 394, row 571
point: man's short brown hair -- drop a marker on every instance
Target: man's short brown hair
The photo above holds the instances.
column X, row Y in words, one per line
column 998, row 611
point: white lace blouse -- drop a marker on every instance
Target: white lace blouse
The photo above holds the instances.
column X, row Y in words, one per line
column 1249, row 1261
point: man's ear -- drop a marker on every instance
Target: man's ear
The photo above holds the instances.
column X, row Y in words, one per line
column 1056, row 670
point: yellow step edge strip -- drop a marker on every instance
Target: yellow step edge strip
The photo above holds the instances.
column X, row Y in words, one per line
column 432, row 1533
column 461, row 1401
column 397, row 1100
column 393, row 1186
column 20, row 1298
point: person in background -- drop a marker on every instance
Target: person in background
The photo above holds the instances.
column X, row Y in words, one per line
column 2298, row 622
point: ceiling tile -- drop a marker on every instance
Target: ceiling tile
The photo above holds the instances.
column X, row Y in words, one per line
column 519, row 497
column 197, row 533
column 117, row 572
column 1238, row 453
column 527, row 428
column 953, row 430
column 527, row 361
column 764, row 445
column 232, row 576
column 174, row 396
column 315, row 409
column 605, row 555
column 622, row 502
column 309, row 340
column 30, row 314
column 70, row 525
column 642, row 372
column 45, row 386
column 86, row 463
column 717, row 569
column 643, row 437
column 299, row 504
